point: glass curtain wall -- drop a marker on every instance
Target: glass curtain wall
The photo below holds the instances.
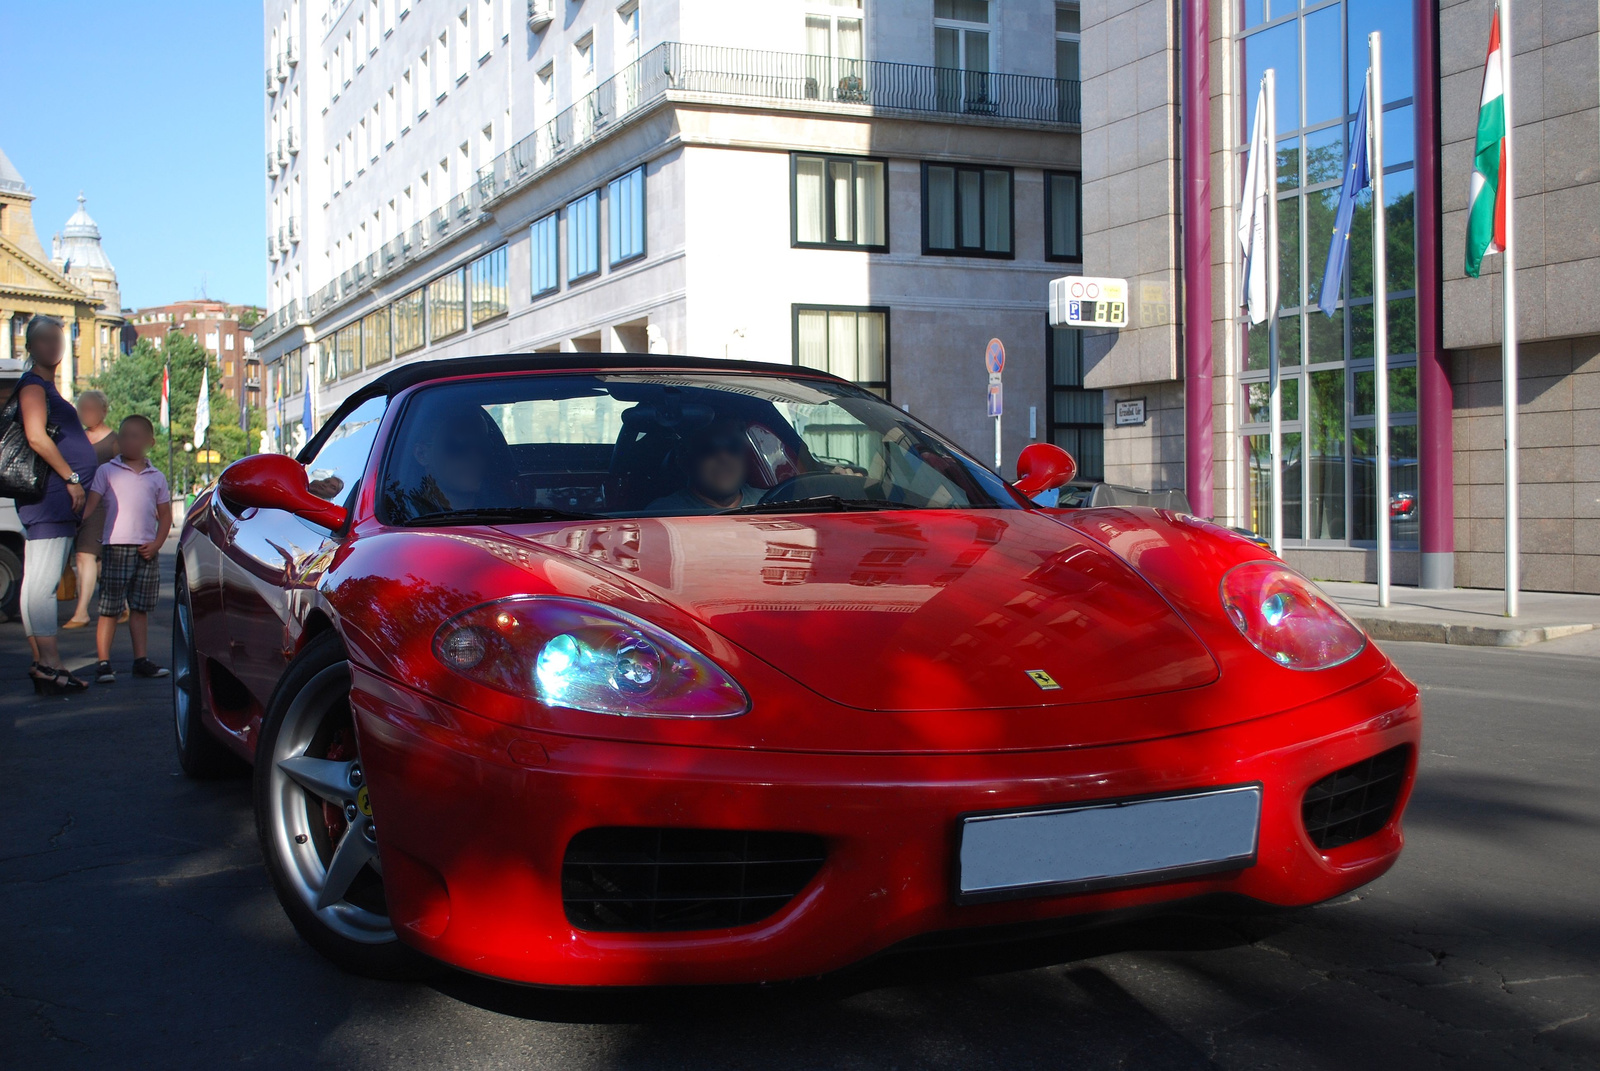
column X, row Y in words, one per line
column 1319, row 52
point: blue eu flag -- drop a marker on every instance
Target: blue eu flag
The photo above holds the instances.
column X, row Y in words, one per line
column 1356, row 179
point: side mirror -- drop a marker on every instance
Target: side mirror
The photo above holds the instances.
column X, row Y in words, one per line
column 1042, row 467
column 273, row 481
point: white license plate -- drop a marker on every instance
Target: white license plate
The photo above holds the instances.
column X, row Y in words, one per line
column 1107, row 844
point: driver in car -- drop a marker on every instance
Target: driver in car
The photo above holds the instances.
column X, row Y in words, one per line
column 715, row 471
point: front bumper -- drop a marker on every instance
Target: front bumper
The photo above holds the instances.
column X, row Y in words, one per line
column 474, row 818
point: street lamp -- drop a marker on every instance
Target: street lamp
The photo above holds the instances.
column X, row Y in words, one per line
column 188, row 448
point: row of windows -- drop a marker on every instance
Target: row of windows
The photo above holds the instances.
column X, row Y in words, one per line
column 625, row 233
column 841, row 202
column 439, row 309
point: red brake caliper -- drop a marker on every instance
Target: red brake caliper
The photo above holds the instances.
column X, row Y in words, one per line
column 340, row 749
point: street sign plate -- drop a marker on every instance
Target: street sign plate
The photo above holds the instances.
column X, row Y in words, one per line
column 996, row 397
column 994, row 357
column 1086, row 301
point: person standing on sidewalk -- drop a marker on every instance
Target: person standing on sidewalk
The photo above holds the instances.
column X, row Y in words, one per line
column 92, row 410
column 50, row 524
column 138, row 518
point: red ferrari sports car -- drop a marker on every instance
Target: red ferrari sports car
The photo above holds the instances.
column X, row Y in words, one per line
column 624, row 670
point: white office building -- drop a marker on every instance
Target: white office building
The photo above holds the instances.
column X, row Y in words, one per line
column 875, row 187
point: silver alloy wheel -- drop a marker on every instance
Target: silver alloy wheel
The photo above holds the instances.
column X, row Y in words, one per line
column 185, row 682
column 319, row 872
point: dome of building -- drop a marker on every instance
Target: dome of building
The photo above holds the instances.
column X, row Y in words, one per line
column 79, row 243
column 10, row 179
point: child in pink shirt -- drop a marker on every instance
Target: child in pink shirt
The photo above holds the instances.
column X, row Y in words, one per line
column 138, row 518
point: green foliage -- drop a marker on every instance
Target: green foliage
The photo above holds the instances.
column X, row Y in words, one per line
column 133, row 384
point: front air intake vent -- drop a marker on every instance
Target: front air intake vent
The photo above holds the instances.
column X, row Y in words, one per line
column 627, row 879
column 1356, row 801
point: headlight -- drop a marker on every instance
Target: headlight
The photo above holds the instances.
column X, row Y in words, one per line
column 584, row 656
column 1287, row 618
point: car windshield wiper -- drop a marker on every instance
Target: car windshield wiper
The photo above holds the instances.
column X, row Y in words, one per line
column 819, row 504
column 500, row 515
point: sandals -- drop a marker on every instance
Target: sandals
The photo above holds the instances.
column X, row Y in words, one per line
column 48, row 680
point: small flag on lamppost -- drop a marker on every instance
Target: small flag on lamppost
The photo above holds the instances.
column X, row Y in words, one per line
column 166, row 396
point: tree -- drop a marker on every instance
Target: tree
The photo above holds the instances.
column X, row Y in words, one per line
column 133, row 385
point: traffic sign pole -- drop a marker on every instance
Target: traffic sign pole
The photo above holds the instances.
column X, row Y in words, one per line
column 994, row 359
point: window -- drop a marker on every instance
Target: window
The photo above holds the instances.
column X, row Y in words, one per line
column 227, row 340
column 377, row 345
column 852, row 343
column 966, row 210
column 1328, row 455
column 1076, row 420
column 961, row 34
column 347, row 350
column 342, row 457
column 585, row 50
column 628, row 50
column 544, row 257
column 547, row 82
column 1067, row 41
column 625, row 216
column 407, row 310
column 486, row 280
column 833, row 51
column 583, row 236
column 1063, row 213
column 840, row 201
column 447, row 311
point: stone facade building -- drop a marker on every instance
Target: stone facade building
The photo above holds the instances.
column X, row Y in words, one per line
column 878, row 187
column 31, row 284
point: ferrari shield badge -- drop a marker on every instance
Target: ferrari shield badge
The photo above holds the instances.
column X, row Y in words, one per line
column 363, row 802
column 1043, row 680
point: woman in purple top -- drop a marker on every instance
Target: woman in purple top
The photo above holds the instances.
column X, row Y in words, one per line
column 51, row 524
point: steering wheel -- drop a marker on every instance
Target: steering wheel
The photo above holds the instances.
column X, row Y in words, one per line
column 816, row 484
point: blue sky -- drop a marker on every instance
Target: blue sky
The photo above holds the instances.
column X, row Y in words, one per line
column 154, row 111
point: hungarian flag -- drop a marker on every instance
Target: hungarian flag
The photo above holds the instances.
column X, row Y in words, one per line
column 166, row 396
column 1486, row 203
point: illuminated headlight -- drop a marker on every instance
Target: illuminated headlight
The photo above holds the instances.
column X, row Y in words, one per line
column 585, row 656
column 1286, row 618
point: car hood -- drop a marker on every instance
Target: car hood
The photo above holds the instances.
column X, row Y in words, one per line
column 911, row 610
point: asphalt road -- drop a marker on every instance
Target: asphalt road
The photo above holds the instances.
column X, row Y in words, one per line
column 137, row 929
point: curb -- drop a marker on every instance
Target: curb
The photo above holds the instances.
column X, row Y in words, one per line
column 1388, row 628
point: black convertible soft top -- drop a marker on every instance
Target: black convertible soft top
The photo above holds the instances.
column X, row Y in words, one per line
column 398, row 379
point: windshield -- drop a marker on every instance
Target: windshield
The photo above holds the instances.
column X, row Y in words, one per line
column 665, row 444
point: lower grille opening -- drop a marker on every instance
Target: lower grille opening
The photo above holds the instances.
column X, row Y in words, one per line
column 630, row 879
column 1356, row 801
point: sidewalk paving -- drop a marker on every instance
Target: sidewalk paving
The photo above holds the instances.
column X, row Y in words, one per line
column 1473, row 617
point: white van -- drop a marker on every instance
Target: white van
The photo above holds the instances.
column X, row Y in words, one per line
column 10, row 559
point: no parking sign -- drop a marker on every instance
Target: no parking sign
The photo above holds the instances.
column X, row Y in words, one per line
column 994, row 359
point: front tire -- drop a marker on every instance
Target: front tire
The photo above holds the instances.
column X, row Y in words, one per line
column 202, row 756
column 315, row 823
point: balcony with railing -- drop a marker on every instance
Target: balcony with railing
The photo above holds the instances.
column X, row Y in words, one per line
column 741, row 76
column 540, row 13
column 272, row 163
column 788, row 79
column 272, row 83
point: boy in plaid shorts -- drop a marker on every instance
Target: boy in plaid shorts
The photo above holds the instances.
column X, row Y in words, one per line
column 138, row 518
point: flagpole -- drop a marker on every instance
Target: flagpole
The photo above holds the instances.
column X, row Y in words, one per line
column 1380, row 305
column 166, row 411
column 1269, row 166
column 1508, row 330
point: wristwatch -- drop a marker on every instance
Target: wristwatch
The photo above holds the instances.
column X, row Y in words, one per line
column 74, row 478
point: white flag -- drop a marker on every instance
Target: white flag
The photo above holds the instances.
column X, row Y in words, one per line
column 1253, row 208
column 202, row 409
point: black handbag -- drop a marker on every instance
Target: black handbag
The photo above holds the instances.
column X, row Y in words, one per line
column 23, row 473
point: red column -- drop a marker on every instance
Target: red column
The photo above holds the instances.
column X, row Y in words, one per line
column 1435, row 396
column 1195, row 110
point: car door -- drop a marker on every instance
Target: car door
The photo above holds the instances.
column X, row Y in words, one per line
column 272, row 559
